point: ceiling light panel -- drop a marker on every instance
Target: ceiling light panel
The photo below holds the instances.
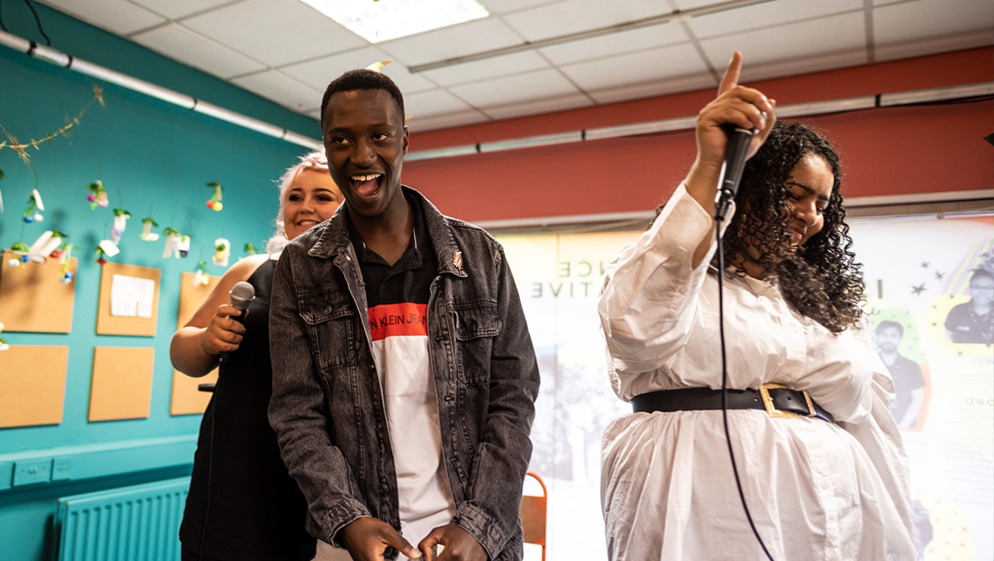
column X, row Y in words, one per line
column 378, row 21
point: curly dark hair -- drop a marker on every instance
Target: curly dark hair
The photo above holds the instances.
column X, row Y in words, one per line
column 821, row 278
column 362, row 79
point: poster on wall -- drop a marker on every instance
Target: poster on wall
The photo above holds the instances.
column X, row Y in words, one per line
column 930, row 292
column 926, row 302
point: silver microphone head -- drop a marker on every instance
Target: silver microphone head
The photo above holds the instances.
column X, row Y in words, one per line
column 242, row 295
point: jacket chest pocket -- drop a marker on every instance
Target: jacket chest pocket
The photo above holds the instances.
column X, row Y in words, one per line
column 331, row 322
column 477, row 326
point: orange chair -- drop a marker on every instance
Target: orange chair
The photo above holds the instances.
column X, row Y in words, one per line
column 533, row 513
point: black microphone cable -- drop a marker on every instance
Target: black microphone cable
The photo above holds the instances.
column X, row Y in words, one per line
column 736, row 152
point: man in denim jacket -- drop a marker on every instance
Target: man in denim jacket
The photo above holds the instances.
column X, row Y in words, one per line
column 446, row 377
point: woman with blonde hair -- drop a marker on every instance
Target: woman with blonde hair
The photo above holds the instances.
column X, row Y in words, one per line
column 242, row 503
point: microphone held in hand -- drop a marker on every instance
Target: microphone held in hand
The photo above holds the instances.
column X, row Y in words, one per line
column 241, row 296
column 731, row 171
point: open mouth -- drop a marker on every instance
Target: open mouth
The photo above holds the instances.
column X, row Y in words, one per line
column 366, row 185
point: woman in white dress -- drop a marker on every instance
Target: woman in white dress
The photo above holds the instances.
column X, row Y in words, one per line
column 829, row 482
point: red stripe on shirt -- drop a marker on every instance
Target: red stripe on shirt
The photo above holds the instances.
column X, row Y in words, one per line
column 398, row 320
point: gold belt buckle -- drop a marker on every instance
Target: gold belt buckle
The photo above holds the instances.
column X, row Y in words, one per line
column 771, row 409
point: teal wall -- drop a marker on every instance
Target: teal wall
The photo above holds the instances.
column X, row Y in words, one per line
column 149, row 154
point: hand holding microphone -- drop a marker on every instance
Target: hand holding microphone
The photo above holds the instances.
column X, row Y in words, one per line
column 730, row 130
column 224, row 331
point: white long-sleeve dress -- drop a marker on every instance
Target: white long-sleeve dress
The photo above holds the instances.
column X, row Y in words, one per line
column 816, row 490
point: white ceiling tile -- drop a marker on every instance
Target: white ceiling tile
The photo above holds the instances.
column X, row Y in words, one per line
column 684, row 5
column 616, row 43
column 176, row 9
column 919, row 19
column 944, row 44
column 633, row 68
column 118, row 16
column 510, row 111
column 528, row 86
column 803, row 65
column 443, row 121
column 180, row 43
column 486, row 68
column 286, row 91
column 467, row 38
column 574, row 16
column 840, row 34
column 319, row 72
column 276, row 32
column 316, row 113
column 767, row 15
column 655, row 88
column 435, row 102
column 509, row 6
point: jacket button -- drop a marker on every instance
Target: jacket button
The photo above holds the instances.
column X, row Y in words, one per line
column 449, row 398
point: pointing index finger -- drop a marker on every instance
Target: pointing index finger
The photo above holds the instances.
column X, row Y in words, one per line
column 731, row 77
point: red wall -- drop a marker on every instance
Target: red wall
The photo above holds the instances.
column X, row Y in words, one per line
column 886, row 151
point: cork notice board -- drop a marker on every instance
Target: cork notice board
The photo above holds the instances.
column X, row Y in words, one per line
column 33, row 298
column 186, row 398
column 121, row 387
column 108, row 324
column 32, row 385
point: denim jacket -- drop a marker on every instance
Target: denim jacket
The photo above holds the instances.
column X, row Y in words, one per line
column 327, row 408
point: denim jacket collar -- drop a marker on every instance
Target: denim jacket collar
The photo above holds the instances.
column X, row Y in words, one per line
column 334, row 241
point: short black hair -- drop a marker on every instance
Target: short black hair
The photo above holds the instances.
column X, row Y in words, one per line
column 892, row 324
column 362, row 79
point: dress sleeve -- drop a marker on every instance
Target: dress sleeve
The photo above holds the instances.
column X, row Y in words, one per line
column 878, row 435
column 651, row 288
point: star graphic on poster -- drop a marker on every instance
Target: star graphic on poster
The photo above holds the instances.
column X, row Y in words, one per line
column 918, row 289
column 939, row 276
column 924, row 264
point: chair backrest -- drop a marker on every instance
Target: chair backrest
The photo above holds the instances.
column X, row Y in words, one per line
column 533, row 515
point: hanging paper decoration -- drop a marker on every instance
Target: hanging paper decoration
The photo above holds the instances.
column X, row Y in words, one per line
column 65, row 253
column 46, row 245
column 200, row 276
column 22, row 250
column 106, row 249
column 121, row 217
column 21, row 148
column 147, row 233
column 378, row 66
column 98, row 196
column 215, row 202
column 34, row 205
column 222, row 251
column 172, row 243
column 3, row 343
column 250, row 249
column 177, row 245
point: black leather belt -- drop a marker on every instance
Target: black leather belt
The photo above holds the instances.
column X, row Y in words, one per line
column 778, row 401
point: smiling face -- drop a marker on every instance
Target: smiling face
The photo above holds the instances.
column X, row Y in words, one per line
column 311, row 199
column 809, row 189
column 366, row 140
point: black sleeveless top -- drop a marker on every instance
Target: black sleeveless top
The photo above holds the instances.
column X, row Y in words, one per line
column 256, row 510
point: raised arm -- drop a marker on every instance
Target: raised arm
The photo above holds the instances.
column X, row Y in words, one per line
column 651, row 288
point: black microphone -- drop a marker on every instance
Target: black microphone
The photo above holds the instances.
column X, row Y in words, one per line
column 731, row 170
column 240, row 296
